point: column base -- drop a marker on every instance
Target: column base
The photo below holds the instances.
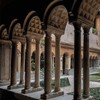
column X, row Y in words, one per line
column 89, row 98
column 15, row 86
column 52, row 95
column 12, row 86
column 31, row 90
column 20, row 85
column 77, row 98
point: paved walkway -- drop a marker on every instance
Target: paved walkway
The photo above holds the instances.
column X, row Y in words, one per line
column 65, row 89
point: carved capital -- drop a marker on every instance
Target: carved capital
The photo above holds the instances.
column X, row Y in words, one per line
column 86, row 30
column 47, row 33
column 58, row 37
column 77, row 25
column 28, row 39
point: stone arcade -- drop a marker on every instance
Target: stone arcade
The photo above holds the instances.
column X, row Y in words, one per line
column 41, row 18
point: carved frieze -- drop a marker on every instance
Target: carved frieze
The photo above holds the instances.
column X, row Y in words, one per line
column 87, row 11
column 35, row 25
column 16, row 32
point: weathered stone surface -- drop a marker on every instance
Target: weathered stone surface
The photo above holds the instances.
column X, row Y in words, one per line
column 5, row 60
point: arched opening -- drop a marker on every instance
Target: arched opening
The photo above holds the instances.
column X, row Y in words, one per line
column 42, row 61
column 90, row 61
column 33, row 61
column 66, row 63
column 18, row 56
column 72, row 61
column 96, row 62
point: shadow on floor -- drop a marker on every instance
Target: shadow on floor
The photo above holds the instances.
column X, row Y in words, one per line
column 9, row 95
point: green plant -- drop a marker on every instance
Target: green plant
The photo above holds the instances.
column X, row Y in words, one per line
column 32, row 65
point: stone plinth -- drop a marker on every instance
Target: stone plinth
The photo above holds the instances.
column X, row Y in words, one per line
column 52, row 95
column 89, row 98
column 5, row 61
column 30, row 90
column 16, row 86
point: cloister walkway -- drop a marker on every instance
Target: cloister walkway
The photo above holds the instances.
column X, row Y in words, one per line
column 66, row 90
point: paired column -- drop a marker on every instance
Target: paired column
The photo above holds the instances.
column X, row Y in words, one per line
column 57, row 64
column 47, row 68
column 27, row 66
column 77, row 61
column 86, row 63
column 22, row 63
column 13, row 65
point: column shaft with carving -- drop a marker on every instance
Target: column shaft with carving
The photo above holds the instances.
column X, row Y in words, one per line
column 86, row 63
column 77, row 61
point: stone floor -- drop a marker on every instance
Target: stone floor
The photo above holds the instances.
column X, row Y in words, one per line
column 65, row 89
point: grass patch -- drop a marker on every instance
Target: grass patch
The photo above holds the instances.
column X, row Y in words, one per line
column 95, row 92
column 63, row 83
column 94, row 78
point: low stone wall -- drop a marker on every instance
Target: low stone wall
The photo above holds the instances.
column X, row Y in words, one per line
column 9, row 95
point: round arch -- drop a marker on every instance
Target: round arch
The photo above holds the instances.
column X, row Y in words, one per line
column 3, row 32
column 15, row 29
column 72, row 61
column 51, row 7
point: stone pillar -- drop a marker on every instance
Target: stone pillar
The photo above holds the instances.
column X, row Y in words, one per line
column 57, row 64
column 47, row 68
column 37, row 64
column 68, row 63
column 77, row 61
column 5, row 61
column 22, row 67
column 27, row 87
column 13, row 65
column 86, row 63
column 57, row 90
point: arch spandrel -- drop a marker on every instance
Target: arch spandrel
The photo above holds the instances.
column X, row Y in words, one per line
column 33, row 26
column 15, row 29
column 3, row 33
column 87, row 11
column 58, row 17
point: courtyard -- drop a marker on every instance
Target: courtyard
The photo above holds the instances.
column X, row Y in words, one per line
column 68, row 89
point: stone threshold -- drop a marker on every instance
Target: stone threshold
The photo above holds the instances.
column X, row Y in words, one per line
column 32, row 89
column 52, row 95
